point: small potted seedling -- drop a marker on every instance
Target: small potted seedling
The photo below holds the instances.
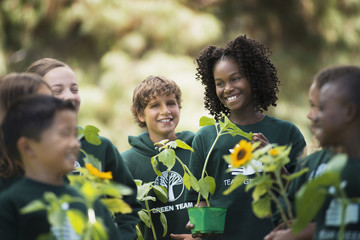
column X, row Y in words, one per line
column 205, row 219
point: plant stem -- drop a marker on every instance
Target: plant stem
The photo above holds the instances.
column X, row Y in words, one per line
column 205, row 164
column 342, row 224
column 151, row 223
column 283, row 194
column 282, row 213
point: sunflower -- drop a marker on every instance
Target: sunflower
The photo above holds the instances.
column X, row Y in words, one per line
column 273, row 152
column 242, row 153
column 95, row 172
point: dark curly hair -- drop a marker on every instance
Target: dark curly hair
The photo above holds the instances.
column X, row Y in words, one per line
column 253, row 60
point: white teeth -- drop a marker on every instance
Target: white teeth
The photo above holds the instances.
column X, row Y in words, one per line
column 231, row 98
column 165, row 120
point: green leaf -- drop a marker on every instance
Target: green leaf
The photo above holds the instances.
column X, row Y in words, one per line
column 116, row 205
column 33, row 206
column 161, row 193
column 89, row 191
column 77, row 220
column 204, row 188
column 114, row 190
column 237, row 182
column 309, row 200
column 163, row 221
column 211, row 183
column 261, row 207
column 262, row 184
column 194, row 183
column 138, row 182
column 171, row 144
column 80, row 133
column 295, row 175
column 167, row 157
column 91, row 135
column 138, row 233
column 149, row 198
column 99, row 231
column 259, row 180
column 186, row 180
column 337, row 163
column 89, row 158
column 311, row 196
column 56, row 217
column 204, row 121
column 142, row 190
column 144, row 217
column 183, row 145
column 154, row 164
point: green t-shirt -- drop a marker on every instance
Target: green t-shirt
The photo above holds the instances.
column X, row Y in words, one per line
column 328, row 218
column 240, row 223
column 14, row 225
column 138, row 160
column 111, row 160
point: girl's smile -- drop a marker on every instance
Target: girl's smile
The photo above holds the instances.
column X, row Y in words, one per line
column 232, row 89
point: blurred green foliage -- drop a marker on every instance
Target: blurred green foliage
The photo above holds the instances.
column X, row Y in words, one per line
column 114, row 44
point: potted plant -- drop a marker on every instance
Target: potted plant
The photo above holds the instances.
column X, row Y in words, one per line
column 202, row 217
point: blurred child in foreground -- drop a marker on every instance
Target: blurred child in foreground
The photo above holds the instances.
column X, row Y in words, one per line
column 317, row 161
column 64, row 85
column 12, row 87
column 41, row 132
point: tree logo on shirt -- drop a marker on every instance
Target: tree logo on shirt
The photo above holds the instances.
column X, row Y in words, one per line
column 76, row 166
column 173, row 182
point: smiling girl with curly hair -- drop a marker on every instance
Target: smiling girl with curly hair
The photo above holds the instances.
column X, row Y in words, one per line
column 240, row 82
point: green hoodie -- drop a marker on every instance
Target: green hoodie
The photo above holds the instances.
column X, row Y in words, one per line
column 138, row 160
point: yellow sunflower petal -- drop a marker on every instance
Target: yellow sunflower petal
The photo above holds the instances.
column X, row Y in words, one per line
column 242, row 153
column 273, row 152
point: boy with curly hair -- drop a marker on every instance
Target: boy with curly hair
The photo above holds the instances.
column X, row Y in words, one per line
column 240, row 82
column 156, row 106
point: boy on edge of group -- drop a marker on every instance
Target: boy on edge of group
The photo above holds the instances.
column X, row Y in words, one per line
column 337, row 124
column 315, row 162
column 156, row 107
column 41, row 132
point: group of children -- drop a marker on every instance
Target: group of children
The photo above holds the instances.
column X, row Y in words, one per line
column 39, row 144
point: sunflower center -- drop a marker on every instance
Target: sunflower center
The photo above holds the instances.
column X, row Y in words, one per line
column 241, row 154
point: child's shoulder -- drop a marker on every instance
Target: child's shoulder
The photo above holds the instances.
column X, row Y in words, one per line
column 279, row 124
column 186, row 136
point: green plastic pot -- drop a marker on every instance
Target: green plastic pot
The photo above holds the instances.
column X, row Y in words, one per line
column 207, row 219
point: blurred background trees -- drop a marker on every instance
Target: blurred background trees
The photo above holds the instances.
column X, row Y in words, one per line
column 114, row 44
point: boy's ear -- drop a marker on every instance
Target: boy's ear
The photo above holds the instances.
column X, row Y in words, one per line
column 352, row 112
column 140, row 117
column 24, row 146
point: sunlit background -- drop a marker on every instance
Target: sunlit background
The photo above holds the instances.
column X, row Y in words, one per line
column 114, row 44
